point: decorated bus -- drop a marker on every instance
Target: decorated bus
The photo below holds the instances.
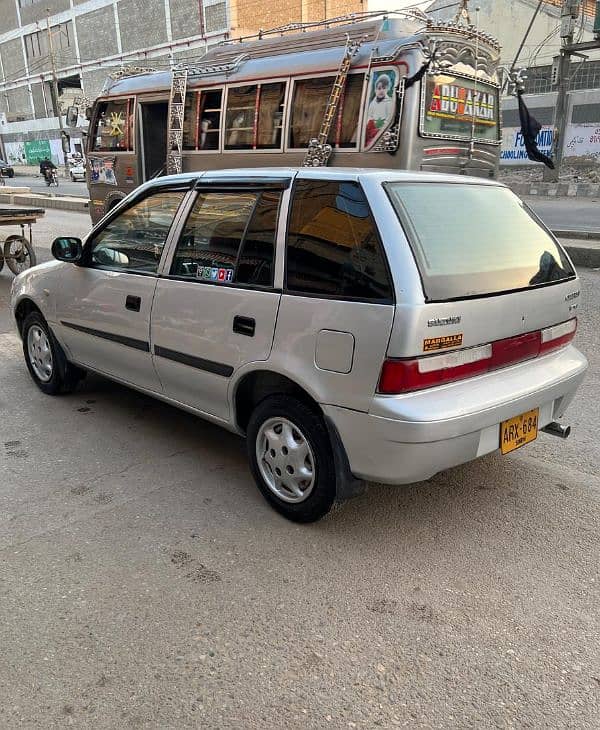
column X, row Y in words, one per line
column 394, row 90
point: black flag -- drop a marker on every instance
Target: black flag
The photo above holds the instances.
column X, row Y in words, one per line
column 530, row 128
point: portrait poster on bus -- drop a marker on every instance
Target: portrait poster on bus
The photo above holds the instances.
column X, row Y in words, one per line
column 381, row 108
column 102, row 170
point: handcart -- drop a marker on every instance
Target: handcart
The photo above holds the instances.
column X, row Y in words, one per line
column 18, row 250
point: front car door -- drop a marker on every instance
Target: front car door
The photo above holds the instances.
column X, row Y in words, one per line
column 215, row 310
column 103, row 309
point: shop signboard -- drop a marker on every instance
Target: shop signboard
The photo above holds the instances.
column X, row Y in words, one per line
column 513, row 150
column 37, row 150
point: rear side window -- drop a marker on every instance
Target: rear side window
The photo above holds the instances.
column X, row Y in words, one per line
column 229, row 238
column 333, row 249
column 472, row 240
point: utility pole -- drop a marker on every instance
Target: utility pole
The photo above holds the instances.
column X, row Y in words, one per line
column 569, row 16
column 54, row 93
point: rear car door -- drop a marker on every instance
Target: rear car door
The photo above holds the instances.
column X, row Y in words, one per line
column 215, row 309
column 104, row 306
column 337, row 308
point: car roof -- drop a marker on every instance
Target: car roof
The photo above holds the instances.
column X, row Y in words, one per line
column 320, row 173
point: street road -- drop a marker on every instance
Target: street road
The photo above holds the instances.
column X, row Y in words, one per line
column 146, row 584
column 580, row 214
column 577, row 214
column 38, row 185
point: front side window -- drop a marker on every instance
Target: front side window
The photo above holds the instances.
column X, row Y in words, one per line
column 333, row 249
column 134, row 240
column 229, row 238
column 308, row 110
column 112, row 127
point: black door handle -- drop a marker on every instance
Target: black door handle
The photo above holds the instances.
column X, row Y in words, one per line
column 133, row 303
column 244, row 326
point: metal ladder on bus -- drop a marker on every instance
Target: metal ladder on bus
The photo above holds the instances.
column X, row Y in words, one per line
column 175, row 122
column 319, row 150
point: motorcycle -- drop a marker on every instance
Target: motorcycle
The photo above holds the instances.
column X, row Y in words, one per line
column 51, row 177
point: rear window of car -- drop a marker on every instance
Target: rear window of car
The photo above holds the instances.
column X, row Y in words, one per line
column 472, row 240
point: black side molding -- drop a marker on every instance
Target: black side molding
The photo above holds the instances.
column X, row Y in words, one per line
column 243, row 183
column 210, row 366
column 110, row 336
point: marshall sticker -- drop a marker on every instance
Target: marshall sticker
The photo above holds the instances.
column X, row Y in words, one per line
column 442, row 343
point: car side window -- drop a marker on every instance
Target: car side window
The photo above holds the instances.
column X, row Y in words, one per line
column 333, row 249
column 134, row 240
column 229, row 238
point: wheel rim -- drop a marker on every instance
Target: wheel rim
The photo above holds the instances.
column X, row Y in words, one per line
column 17, row 255
column 40, row 353
column 285, row 460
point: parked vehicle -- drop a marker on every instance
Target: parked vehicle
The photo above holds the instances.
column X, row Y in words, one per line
column 77, row 171
column 354, row 325
column 412, row 96
column 6, row 169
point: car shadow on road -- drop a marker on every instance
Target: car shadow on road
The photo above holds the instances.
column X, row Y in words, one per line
column 488, row 491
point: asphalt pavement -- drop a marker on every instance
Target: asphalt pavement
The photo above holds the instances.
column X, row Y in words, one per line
column 38, row 185
column 576, row 214
column 146, row 583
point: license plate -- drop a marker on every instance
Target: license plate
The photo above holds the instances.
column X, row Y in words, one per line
column 518, row 431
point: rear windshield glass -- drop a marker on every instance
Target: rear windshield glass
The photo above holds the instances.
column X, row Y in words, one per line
column 472, row 240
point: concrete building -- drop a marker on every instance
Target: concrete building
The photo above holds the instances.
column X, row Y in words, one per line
column 508, row 20
column 82, row 41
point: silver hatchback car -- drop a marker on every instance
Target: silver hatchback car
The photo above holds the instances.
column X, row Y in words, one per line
column 353, row 325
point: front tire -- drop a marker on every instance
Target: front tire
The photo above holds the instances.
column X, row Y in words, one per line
column 291, row 458
column 45, row 358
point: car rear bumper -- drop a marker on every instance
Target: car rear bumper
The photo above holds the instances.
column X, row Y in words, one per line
column 411, row 437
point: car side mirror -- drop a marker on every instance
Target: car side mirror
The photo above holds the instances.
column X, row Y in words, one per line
column 67, row 249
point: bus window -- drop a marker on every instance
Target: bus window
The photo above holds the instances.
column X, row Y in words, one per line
column 239, row 118
column 254, row 117
column 112, row 126
column 190, row 121
column 210, row 119
column 310, row 102
column 270, row 116
column 349, row 112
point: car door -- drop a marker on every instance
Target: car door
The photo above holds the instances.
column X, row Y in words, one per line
column 215, row 310
column 104, row 306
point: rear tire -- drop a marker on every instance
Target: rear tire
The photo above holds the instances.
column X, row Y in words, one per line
column 45, row 358
column 291, row 458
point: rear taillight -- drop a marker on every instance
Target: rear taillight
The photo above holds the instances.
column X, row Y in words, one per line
column 558, row 335
column 404, row 376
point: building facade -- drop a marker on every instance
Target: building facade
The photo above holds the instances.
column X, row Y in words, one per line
column 79, row 42
column 508, row 20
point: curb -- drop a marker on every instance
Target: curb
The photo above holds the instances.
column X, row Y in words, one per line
column 587, row 257
column 43, row 201
column 556, row 190
column 578, row 235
